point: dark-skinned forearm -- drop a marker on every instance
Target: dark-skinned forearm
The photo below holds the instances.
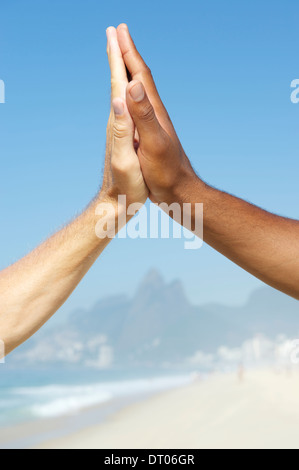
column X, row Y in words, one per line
column 262, row 243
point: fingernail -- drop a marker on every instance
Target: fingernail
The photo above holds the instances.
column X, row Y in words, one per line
column 109, row 32
column 118, row 107
column 137, row 92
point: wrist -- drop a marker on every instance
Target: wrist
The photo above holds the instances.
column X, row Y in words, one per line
column 187, row 186
column 112, row 210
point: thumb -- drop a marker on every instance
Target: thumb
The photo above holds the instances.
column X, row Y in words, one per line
column 143, row 114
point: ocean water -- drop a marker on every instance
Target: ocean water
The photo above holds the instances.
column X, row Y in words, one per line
column 27, row 395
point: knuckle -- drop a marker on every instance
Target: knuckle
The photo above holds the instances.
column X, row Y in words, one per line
column 126, row 53
column 119, row 130
column 146, row 71
column 147, row 112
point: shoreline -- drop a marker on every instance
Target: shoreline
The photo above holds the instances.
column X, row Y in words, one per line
column 220, row 413
column 31, row 434
column 72, row 417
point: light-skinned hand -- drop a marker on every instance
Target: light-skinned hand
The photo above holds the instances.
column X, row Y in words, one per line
column 122, row 174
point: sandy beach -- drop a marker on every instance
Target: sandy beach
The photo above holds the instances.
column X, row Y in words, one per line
column 221, row 412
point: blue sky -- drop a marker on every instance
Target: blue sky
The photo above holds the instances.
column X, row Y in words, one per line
column 224, row 70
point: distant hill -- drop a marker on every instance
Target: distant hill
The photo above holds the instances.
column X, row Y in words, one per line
column 159, row 326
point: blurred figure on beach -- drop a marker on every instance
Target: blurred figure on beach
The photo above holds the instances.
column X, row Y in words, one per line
column 240, row 373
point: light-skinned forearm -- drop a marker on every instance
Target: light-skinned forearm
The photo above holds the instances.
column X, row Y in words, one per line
column 262, row 243
column 33, row 289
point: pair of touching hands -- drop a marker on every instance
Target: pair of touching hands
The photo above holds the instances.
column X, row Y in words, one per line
column 144, row 157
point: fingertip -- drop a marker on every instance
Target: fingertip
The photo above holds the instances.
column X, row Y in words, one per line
column 109, row 31
column 122, row 26
column 123, row 35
